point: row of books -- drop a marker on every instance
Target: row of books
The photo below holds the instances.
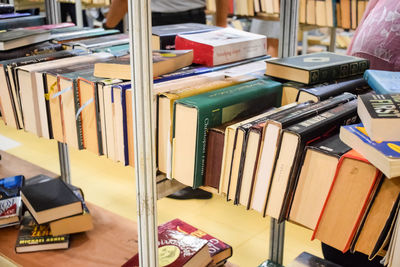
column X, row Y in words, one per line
column 248, row 7
column 345, row 14
column 47, row 210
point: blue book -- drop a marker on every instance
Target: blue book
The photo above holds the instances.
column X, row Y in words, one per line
column 383, row 155
column 383, row 82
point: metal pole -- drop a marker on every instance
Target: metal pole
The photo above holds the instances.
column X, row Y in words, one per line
column 144, row 125
column 52, row 11
column 78, row 13
column 63, row 156
column 289, row 12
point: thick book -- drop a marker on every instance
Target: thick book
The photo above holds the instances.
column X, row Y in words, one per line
column 345, row 10
column 316, row 67
column 33, row 237
column 13, row 15
column 324, row 91
column 20, row 37
column 219, row 250
column 384, row 155
column 164, row 61
column 380, row 115
column 306, row 259
column 176, row 249
column 316, row 174
column 30, row 50
column 50, row 200
column 272, row 139
column 163, row 36
column 10, row 200
column 355, row 180
column 222, row 46
column 14, row 23
column 383, row 82
column 6, row 8
column 90, row 33
column 194, row 115
column 51, row 26
column 292, row 143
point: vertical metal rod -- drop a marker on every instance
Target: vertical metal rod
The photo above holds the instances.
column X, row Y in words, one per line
column 144, row 125
column 52, row 11
column 78, row 13
column 332, row 44
column 63, row 156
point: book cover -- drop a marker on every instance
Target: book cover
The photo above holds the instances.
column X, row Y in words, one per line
column 383, row 82
column 164, row 35
column 209, row 110
column 177, row 249
column 50, row 200
column 91, row 33
column 103, row 41
column 10, row 200
column 13, row 15
column 316, row 67
column 33, row 237
column 14, row 23
column 222, row 46
column 219, row 250
column 6, row 8
column 384, row 155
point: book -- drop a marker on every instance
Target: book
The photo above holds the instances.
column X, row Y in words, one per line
column 33, row 237
column 14, row 23
column 222, row 46
column 164, row 61
column 380, row 115
column 383, row 82
column 194, row 115
column 316, row 174
column 324, row 91
column 163, row 36
column 285, row 171
column 269, row 263
column 272, row 138
column 345, row 7
column 378, row 216
column 52, row 26
column 6, row 8
column 320, row 13
column 306, row 259
column 10, row 200
column 311, row 14
column 30, row 50
column 384, row 155
column 100, row 42
column 219, row 250
column 50, row 200
column 316, row 67
column 354, row 182
column 178, row 249
column 90, row 33
column 17, row 38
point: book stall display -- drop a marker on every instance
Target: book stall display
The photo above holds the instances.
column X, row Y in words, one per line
column 311, row 139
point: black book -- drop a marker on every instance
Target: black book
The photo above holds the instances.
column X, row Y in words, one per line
column 164, row 35
column 6, row 8
column 292, row 144
column 14, row 23
column 306, row 259
column 324, row 91
column 316, row 67
column 51, row 200
column 33, row 237
column 30, row 50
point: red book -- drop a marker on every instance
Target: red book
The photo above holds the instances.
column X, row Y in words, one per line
column 177, row 249
column 351, row 190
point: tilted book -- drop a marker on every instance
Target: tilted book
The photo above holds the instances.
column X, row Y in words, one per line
column 193, row 116
column 383, row 82
column 20, row 37
column 316, row 67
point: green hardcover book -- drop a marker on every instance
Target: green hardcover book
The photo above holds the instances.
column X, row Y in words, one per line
column 194, row 115
column 316, row 68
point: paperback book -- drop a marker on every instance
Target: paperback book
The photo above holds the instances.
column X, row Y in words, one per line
column 10, row 200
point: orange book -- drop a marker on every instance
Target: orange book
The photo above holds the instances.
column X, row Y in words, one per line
column 355, row 180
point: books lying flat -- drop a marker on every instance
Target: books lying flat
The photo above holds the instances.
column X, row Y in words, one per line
column 30, row 50
column 33, row 237
column 164, row 61
column 380, row 115
column 315, row 178
column 10, row 200
column 383, row 82
column 354, row 182
column 316, row 67
column 384, row 155
column 52, row 26
column 194, row 115
column 17, row 38
column 222, row 46
column 103, row 41
column 50, row 200
column 14, row 23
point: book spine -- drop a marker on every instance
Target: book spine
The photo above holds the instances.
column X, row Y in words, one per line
column 167, row 42
column 124, row 125
column 7, row 24
column 245, row 131
column 97, row 115
column 79, row 130
column 215, row 144
column 259, row 130
column 338, row 72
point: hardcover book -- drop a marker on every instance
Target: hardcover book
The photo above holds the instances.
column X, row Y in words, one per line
column 194, row 115
column 380, row 115
column 52, row 26
column 90, row 33
column 384, row 155
column 164, row 35
column 17, row 38
column 354, row 183
column 285, row 172
column 10, row 200
column 219, row 250
column 383, row 82
column 30, row 50
column 164, row 61
column 103, row 41
column 14, row 23
column 50, row 200
column 33, row 237
column 316, row 67
column 13, row 15
column 222, row 46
